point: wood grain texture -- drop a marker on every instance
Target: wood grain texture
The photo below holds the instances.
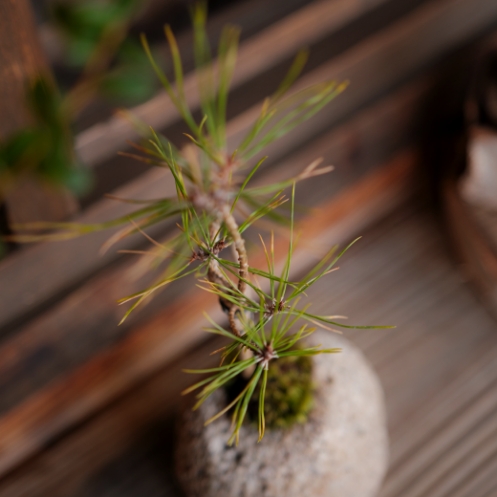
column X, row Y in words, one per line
column 21, row 59
column 39, row 272
column 472, row 246
column 256, row 55
column 82, row 460
column 68, row 400
column 85, row 408
column 382, row 60
column 438, row 369
column 54, row 343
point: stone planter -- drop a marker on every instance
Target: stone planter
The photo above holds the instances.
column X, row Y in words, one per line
column 342, row 450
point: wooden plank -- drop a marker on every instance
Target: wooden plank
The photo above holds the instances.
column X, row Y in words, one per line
column 356, row 146
column 251, row 17
column 64, row 471
column 40, row 272
column 471, row 244
column 466, row 389
column 381, row 60
column 397, row 51
column 69, row 400
column 393, row 55
column 449, row 437
column 258, row 54
column 21, row 59
column 443, row 445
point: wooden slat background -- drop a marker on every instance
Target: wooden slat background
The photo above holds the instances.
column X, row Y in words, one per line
column 438, row 369
column 86, row 408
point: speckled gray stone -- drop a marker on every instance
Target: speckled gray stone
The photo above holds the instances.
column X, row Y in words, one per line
column 342, row 451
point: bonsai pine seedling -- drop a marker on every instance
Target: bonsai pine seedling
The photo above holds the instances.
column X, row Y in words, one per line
column 216, row 203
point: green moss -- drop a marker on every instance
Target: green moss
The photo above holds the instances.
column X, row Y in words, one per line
column 289, row 393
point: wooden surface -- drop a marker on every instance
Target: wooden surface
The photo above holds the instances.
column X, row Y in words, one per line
column 361, row 143
column 52, row 407
column 21, row 59
column 472, row 243
column 384, row 60
column 438, row 369
column 278, row 42
column 86, row 407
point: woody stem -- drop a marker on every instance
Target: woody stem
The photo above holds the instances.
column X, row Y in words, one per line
column 239, row 244
column 215, row 276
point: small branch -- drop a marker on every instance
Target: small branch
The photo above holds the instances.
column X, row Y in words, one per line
column 239, row 243
column 215, row 276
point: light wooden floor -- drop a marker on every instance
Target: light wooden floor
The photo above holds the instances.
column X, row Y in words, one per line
column 438, row 369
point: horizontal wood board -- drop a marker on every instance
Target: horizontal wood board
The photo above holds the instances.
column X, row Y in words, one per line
column 383, row 60
column 54, row 343
column 68, row 400
column 19, row 268
column 438, row 370
column 278, row 42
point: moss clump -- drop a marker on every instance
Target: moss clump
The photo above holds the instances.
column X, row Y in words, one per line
column 289, row 392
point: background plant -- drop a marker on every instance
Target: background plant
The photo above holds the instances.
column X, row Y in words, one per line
column 216, row 203
column 109, row 65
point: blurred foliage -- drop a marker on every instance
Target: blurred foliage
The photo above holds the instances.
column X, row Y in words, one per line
column 44, row 149
column 84, row 24
column 111, row 66
column 132, row 80
column 94, row 36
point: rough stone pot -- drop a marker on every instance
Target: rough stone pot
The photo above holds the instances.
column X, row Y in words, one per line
column 341, row 451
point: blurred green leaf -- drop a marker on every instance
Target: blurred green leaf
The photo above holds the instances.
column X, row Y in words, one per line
column 82, row 27
column 45, row 149
column 128, row 85
column 44, row 101
column 16, row 148
column 132, row 80
column 84, row 23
